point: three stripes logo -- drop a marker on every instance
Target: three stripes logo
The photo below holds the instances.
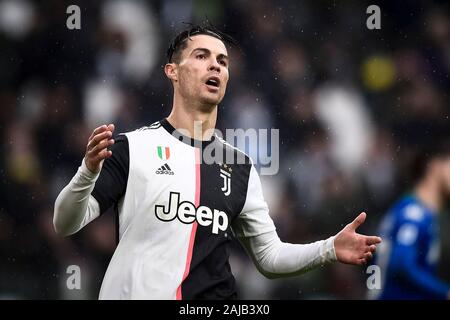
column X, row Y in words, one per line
column 164, row 154
column 165, row 169
column 225, row 174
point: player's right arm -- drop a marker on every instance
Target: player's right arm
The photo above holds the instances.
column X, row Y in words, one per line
column 74, row 206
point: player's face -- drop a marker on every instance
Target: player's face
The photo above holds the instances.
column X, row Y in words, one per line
column 203, row 70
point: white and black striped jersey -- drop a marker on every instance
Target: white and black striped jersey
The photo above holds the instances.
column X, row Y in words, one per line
column 176, row 213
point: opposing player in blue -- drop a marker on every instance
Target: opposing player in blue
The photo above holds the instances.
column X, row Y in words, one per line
column 409, row 253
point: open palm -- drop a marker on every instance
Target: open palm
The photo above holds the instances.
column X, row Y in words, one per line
column 352, row 247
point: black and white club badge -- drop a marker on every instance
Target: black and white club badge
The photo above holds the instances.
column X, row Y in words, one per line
column 225, row 174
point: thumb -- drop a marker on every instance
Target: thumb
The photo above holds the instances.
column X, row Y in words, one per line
column 358, row 221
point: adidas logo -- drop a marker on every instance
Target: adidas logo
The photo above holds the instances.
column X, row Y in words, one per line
column 165, row 169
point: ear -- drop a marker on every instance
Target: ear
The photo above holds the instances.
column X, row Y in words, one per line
column 171, row 71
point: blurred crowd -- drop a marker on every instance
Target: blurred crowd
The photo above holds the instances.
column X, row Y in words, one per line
column 351, row 104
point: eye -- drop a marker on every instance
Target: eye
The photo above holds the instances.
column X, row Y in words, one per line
column 223, row 63
column 201, row 56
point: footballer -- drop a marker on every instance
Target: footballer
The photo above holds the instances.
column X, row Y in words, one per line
column 176, row 212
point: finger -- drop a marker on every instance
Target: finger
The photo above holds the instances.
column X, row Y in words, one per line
column 98, row 130
column 102, row 145
column 358, row 221
column 103, row 155
column 372, row 240
column 99, row 137
column 361, row 261
column 111, row 127
column 373, row 248
column 368, row 256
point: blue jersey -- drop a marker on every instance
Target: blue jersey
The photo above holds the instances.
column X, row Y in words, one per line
column 409, row 253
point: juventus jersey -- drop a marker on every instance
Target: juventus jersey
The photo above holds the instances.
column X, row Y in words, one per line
column 176, row 212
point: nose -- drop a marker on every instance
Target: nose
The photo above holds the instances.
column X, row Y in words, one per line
column 214, row 66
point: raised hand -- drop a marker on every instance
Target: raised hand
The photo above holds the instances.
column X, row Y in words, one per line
column 96, row 149
column 352, row 247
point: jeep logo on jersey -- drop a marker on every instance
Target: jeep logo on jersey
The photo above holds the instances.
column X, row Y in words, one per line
column 163, row 153
column 187, row 213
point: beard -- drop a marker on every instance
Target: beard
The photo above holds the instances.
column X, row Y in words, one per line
column 202, row 98
column 210, row 100
column 195, row 93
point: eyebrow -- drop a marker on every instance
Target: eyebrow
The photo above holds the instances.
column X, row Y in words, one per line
column 220, row 56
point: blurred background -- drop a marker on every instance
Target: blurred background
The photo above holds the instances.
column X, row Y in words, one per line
column 352, row 105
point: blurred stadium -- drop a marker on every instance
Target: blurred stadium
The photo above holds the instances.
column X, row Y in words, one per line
column 352, row 105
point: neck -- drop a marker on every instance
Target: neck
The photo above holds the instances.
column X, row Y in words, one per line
column 428, row 192
column 197, row 121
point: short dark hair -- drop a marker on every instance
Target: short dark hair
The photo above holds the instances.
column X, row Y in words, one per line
column 423, row 157
column 179, row 43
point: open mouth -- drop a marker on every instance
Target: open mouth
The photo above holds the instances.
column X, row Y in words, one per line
column 213, row 81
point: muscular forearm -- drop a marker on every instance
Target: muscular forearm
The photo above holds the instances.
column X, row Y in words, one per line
column 274, row 258
column 75, row 207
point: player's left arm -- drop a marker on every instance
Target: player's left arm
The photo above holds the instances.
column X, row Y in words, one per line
column 273, row 258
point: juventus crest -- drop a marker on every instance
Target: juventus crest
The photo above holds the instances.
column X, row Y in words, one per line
column 225, row 174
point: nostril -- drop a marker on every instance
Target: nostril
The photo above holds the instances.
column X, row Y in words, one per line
column 214, row 67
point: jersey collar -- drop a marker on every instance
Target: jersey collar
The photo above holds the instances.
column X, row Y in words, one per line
column 183, row 138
